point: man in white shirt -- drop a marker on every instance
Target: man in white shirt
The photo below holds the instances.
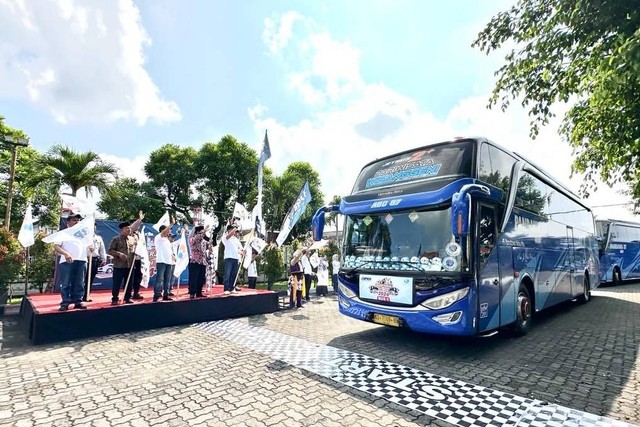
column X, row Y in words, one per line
column 252, row 271
column 232, row 253
column 165, row 259
column 72, row 270
column 97, row 257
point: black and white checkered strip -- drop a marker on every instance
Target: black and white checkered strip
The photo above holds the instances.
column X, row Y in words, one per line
column 446, row 399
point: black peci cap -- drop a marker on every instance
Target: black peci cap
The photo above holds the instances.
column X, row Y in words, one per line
column 124, row 224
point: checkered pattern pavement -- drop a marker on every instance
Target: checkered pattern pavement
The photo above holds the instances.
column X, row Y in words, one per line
column 456, row 402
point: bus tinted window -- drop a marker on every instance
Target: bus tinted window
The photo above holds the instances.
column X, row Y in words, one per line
column 495, row 168
column 531, row 195
column 421, row 165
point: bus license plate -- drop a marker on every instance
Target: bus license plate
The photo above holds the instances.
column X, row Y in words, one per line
column 384, row 319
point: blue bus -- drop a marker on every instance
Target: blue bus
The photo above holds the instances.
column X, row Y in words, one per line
column 461, row 237
column 619, row 250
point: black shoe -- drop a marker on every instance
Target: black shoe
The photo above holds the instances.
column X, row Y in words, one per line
column 63, row 308
column 192, row 296
column 88, row 300
column 171, row 294
column 80, row 306
column 128, row 301
column 114, row 302
column 137, row 296
column 200, row 296
column 155, row 299
column 167, row 298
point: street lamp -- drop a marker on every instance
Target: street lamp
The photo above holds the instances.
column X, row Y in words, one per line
column 14, row 143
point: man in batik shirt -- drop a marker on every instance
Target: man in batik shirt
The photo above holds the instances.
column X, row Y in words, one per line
column 198, row 246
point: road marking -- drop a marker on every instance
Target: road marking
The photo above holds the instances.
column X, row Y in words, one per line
column 446, row 399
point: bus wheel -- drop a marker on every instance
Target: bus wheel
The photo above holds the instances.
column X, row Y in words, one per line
column 586, row 292
column 523, row 312
column 616, row 280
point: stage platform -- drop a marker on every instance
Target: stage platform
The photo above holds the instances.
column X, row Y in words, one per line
column 43, row 323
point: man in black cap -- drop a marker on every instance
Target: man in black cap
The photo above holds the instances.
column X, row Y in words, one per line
column 122, row 249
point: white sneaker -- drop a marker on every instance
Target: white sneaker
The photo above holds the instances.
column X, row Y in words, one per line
column 226, row 292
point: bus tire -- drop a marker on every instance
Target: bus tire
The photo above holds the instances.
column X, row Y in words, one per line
column 585, row 297
column 523, row 312
column 617, row 277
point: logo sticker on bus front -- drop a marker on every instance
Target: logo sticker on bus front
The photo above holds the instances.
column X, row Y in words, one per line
column 385, row 203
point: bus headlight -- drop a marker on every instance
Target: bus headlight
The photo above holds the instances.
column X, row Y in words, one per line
column 444, row 301
column 346, row 291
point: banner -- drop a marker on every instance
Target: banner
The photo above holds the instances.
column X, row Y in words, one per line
column 164, row 220
column 82, row 232
column 265, row 154
column 294, row 213
column 182, row 255
column 142, row 251
column 25, row 236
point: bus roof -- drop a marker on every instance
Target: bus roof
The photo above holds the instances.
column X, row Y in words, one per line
column 620, row 221
column 478, row 139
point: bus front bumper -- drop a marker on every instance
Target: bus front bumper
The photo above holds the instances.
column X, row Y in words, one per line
column 453, row 320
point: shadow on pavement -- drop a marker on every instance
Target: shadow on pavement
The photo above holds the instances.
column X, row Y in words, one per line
column 582, row 357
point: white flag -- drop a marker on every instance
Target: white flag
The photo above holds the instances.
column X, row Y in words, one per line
column 241, row 212
column 142, row 251
column 25, row 236
column 164, row 220
column 314, row 260
column 253, row 244
column 81, row 232
column 182, row 255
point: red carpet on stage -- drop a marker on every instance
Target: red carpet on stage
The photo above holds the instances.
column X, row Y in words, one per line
column 50, row 302
column 43, row 323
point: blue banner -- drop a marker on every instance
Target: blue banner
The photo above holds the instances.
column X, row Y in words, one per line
column 294, row 213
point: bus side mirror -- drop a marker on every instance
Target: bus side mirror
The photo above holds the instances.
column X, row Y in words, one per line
column 317, row 223
column 461, row 208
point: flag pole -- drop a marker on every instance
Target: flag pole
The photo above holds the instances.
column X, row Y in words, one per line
column 26, row 281
column 89, row 278
column 126, row 285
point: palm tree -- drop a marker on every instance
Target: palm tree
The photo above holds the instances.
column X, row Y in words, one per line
column 78, row 170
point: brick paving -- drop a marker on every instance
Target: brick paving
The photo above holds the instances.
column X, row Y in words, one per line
column 582, row 357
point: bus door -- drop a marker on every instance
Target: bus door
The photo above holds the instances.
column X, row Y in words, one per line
column 488, row 267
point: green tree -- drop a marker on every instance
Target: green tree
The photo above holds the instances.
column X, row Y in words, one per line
column 127, row 196
column 583, row 52
column 10, row 259
column 67, row 167
column 171, row 170
column 44, row 198
column 228, row 172
column 41, row 264
column 273, row 265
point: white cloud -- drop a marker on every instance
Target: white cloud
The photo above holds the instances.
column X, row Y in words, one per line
column 81, row 60
column 364, row 121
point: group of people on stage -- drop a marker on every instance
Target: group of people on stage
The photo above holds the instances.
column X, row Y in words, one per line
column 80, row 262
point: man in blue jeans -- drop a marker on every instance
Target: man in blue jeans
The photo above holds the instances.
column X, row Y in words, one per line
column 232, row 253
column 165, row 259
column 73, row 269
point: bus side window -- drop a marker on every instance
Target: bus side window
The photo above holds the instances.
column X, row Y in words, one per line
column 486, row 232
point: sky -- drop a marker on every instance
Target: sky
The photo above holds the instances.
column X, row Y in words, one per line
column 335, row 84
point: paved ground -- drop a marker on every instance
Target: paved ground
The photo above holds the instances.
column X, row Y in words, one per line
column 582, row 357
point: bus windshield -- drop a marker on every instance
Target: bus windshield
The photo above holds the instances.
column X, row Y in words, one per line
column 415, row 170
column 416, row 240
